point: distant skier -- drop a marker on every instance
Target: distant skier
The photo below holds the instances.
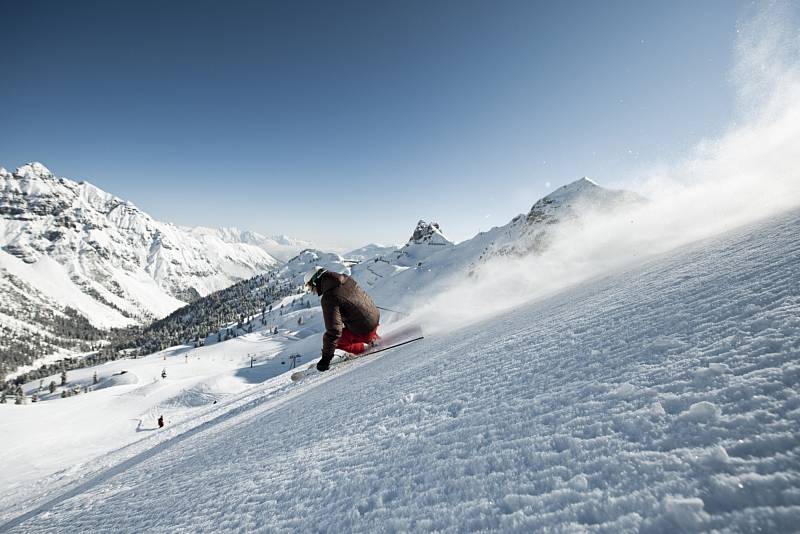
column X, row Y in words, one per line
column 351, row 318
column 164, row 374
column 160, row 421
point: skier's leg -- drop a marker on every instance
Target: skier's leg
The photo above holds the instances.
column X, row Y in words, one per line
column 349, row 342
column 355, row 343
column 373, row 336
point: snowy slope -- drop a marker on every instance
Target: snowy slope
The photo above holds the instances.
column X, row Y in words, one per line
column 281, row 247
column 67, row 246
column 429, row 262
column 370, row 251
column 115, row 263
column 662, row 398
column 569, row 203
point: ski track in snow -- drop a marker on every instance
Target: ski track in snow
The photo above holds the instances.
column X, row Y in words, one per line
column 660, row 399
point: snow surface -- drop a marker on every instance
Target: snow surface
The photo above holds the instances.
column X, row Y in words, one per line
column 99, row 422
column 370, row 251
column 661, row 398
column 49, row 278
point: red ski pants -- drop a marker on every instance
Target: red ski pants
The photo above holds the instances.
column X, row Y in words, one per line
column 354, row 343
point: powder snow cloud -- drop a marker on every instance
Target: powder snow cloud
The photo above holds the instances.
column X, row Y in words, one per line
column 749, row 172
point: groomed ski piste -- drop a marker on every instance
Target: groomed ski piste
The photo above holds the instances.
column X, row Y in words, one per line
column 659, row 398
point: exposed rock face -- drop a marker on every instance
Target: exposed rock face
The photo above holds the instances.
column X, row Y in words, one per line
column 428, row 233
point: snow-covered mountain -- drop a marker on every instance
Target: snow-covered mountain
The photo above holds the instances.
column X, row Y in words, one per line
column 292, row 272
column 428, row 263
column 281, row 247
column 426, row 240
column 372, row 265
column 114, row 263
column 69, row 247
column 370, row 251
column 529, row 232
column 431, row 260
column 601, row 408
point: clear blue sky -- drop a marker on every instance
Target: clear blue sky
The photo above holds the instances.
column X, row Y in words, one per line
column 345, row 122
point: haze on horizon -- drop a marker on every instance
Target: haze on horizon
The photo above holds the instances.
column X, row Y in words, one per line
column 345, row 123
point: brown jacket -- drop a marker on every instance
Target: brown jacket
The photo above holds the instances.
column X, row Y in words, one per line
column 344, row 305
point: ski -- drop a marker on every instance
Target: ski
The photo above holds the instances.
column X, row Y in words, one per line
column 381, row 349
column 394, row 339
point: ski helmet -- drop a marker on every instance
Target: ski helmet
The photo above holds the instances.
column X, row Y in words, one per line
column 311, row 277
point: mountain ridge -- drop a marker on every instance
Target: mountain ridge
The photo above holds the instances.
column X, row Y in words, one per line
column 428, row 258
column 69, row 247
column 112, row 248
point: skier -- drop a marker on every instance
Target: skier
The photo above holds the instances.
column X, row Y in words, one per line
column 160, row 421
column 164, row 374
column 351, row 318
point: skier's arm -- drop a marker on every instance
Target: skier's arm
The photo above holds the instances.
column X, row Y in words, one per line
column 333, row 326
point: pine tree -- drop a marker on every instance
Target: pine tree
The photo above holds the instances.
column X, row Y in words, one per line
column 64, row 378
column 94, row 378
column 52, row 386
column 3, row 399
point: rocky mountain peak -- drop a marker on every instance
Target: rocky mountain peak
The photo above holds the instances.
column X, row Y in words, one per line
column 428, row 233
column 577, row 188
column 33, row 170
column 582, row 194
